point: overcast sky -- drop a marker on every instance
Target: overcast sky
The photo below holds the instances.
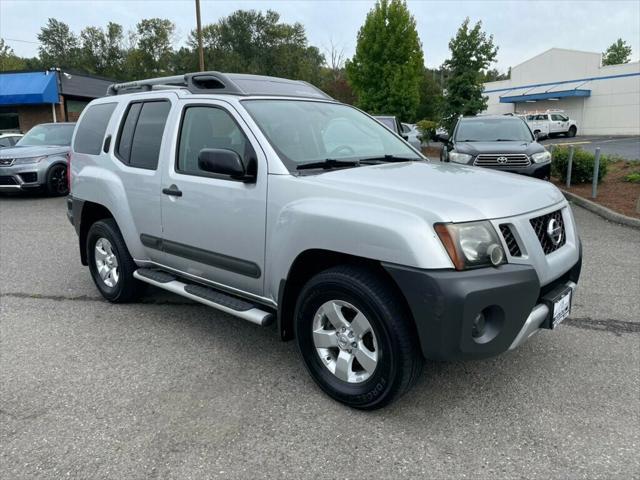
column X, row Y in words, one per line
column 521, row 28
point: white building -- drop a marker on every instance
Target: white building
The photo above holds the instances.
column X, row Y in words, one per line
column 602, row 100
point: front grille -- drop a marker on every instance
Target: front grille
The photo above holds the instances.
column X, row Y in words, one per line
column 541, row 226
column 510, row 240
column 29, row 177
column 6, row 162
column 6, row 180
column 511, row 160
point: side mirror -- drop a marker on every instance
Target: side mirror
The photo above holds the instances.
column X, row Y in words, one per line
column 442, row 137
column 223, row 162
column 405, row 136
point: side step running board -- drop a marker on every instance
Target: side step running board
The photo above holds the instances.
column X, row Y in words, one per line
column 205, row 295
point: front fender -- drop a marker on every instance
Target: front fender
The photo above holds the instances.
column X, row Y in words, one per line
column 355, row 228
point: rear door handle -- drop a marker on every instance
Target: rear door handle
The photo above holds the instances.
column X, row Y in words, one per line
column 172, row 190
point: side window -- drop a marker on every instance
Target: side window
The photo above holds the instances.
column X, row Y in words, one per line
column 92, row 128
column 123, row 150
column 556, row 118
column 141, row 135
column 208, row 127
column 5, row 142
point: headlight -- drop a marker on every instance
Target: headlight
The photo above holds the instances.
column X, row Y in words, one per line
column 541, row 157
column 472, row 244
column 459, row 157
column 24, row 161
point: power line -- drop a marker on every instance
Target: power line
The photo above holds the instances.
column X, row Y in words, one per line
column 18, row 40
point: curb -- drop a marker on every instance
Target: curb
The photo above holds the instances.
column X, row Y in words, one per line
column 604, row 212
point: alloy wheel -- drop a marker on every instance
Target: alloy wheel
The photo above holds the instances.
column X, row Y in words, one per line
column 345, row 341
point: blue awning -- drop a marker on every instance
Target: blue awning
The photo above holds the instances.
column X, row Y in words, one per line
column 534, row 97
column 28, row 88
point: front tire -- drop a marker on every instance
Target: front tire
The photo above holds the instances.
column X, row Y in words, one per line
column 57, row 184
column 356, row 337
column 110, row 263
column 572, row 132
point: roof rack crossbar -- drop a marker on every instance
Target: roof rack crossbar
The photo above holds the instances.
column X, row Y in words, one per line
column 194, row 82
column 217, row 82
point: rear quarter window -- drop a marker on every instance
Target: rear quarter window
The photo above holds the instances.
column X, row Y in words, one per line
column 92, row 128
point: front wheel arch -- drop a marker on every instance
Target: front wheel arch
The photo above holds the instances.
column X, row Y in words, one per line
column 309, row 263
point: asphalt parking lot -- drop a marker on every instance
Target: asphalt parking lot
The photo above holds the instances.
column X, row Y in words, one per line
column 169, row 389
column 627, row 147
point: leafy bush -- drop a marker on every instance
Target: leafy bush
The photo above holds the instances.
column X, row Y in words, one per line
column 427, row 129
column 582, row 169
column 633, row 177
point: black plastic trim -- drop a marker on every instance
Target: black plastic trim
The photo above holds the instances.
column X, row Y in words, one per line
column 444, row 304
column 214, row 259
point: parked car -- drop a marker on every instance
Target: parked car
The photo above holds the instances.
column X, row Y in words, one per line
column 268, row 200
column 551, row 123
column 9, row 139
column 414, row 137
column 38, row 160
column 397, row 127
column 498, row 142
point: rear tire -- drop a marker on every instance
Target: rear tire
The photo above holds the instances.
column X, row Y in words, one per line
column 57, row 183
column 110, row 263
column 382, row 363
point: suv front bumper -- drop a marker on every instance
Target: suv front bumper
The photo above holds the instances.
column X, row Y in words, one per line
column 537, row 170
column 445, row 303
column 21, row 177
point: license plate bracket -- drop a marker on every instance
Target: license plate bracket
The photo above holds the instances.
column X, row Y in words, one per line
column 559, row 302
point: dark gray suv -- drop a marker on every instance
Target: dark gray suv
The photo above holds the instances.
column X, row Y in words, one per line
column 499, row 142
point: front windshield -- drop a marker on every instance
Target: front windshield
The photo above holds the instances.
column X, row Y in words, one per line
column 304, row 131
column 492, row 130
column 48, row 135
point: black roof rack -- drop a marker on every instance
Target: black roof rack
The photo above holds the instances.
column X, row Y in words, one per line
column 225, row 83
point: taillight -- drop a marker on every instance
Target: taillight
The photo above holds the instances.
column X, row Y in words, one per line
column 69, row 171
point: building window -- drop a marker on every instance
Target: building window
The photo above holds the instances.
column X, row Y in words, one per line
column 9, row 119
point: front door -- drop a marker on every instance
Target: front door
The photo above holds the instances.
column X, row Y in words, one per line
column 215, row 227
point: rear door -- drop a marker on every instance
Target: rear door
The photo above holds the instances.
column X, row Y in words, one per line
column 215, row 228
column 138, row 150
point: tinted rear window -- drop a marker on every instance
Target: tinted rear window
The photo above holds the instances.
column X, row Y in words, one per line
column 92, row 128
column 141, row 136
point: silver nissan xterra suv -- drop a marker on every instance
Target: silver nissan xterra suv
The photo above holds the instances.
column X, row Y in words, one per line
column 266, row 199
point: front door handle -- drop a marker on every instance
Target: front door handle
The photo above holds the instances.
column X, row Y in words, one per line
column 172, row 190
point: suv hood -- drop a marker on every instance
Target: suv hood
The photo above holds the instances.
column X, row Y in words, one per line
column 26, row 151
column 442, row 192
column 475, row 148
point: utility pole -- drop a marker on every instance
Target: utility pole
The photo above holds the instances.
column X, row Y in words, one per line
column 199, row 28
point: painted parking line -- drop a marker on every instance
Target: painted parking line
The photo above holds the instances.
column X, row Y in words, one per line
column 571, row 143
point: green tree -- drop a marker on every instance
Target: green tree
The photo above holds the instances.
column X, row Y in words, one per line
column 8, row 59
column 617, row 53
column 102, row 51
column 471, row 54
column 388, row 65
column 58, row 45
column 430, row 106
column 248, row 41
column 151, row 48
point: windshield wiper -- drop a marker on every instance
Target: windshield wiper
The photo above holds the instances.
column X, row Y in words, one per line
column 507, row 140
column 389, row 158
column 328, row 163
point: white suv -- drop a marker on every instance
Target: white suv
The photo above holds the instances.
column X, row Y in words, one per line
column 551, row 123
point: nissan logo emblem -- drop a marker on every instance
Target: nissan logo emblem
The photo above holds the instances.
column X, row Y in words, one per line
column 554, row 231
column 502, row 160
